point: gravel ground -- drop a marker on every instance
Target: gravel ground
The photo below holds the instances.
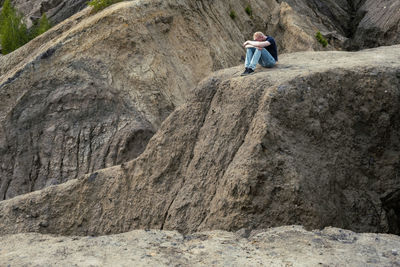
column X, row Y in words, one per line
column 281, row 246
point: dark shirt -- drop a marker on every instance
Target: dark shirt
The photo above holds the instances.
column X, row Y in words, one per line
column 272, row 49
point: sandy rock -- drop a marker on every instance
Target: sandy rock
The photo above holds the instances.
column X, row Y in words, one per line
column 313, row 141
column 282, row 246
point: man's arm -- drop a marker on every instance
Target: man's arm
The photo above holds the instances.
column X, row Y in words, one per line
column 259, row 44
column 256, row 44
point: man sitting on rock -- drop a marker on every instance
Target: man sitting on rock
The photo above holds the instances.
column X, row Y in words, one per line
column 262, row 50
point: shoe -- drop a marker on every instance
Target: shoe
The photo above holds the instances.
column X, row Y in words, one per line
column 247, row 71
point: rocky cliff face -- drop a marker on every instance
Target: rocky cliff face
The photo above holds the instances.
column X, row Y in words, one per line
column 347, row 24
column 98, row 87
column 87, row 114
column 351, row 24
column 56, row 10
column 379, row 24
column 314, row 141
column 89, row 93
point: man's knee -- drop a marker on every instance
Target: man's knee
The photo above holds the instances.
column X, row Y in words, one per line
column 269, row 65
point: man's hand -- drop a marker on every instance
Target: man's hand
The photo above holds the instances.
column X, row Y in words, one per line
column 246, row 43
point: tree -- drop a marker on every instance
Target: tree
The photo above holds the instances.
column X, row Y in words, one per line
column 101, row 4
column 13, row 31
column 42, row 26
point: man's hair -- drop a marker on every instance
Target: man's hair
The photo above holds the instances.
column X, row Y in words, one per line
column 258, row 34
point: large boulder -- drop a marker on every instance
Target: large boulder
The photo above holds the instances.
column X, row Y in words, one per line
column 314, row 141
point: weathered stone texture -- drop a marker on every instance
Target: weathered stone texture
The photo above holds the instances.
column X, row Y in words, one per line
column 56, row 10
column 350, row 24
column 98, row 86
column 276, row 247
column 314, row 141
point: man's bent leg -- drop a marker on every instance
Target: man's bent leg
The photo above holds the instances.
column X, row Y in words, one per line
column 255, row 58
column 249, row 56
column 266, row 59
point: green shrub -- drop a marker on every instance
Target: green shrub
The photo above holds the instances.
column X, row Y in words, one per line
column 321, row 39
column 101, row 4
column 13, row 31
column 248, row 10
column 43, row 25
column 232, row 14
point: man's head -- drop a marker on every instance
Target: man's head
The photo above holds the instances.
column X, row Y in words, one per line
column 258, row 36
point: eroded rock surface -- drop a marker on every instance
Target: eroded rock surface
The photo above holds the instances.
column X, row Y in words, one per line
column 351, row 24
column 347, row 24
column 89, row 93
column 98, row 87
column 379, row 24
column 56, row 10
column 282, row 246
column 314, row 141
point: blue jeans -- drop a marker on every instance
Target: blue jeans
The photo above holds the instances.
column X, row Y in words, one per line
column 254, row 56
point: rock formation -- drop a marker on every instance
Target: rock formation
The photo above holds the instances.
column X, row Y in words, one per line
column 351, row 24
column 347, row 24
column 282, row 246
column 314, row 141
column 56, row 10
column 379, row 24
column 108, row 119
column 97, row 87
